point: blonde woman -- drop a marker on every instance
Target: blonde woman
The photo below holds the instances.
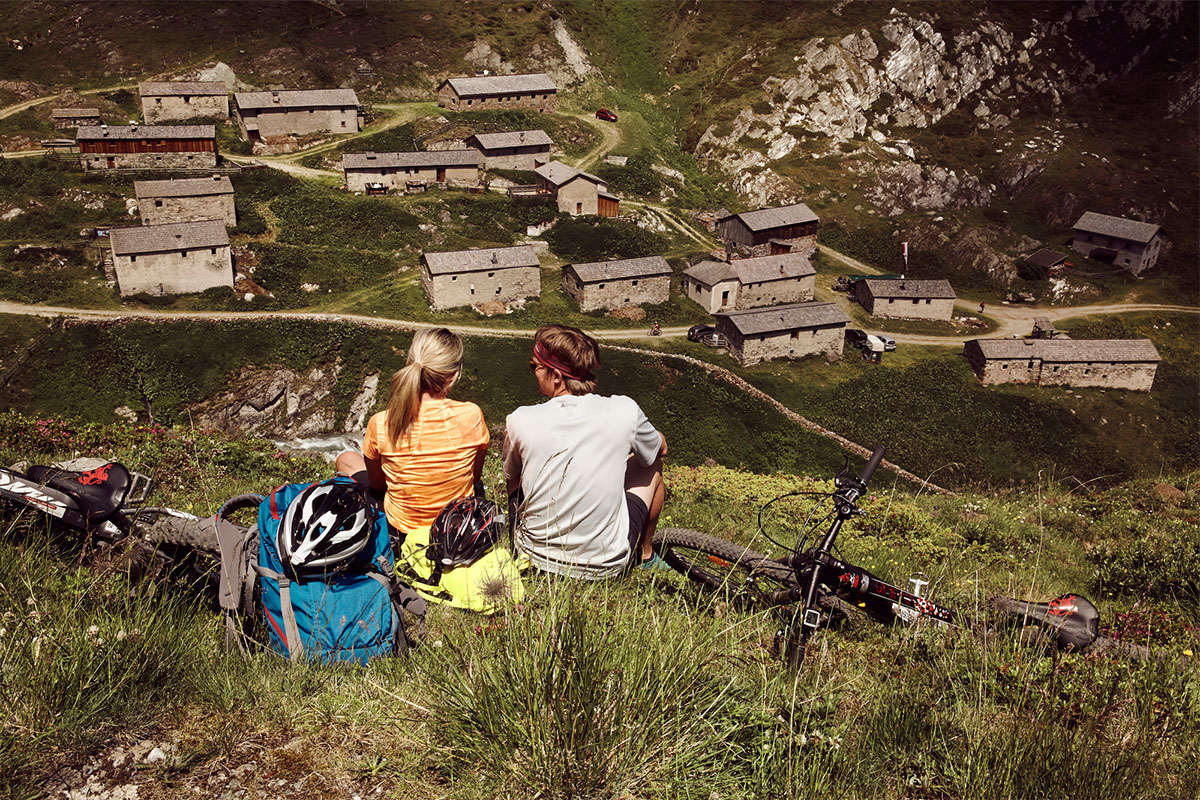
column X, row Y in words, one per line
column 425, row 449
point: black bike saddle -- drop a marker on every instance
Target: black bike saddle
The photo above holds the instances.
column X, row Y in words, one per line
column 99, row 492
column 1072, row 618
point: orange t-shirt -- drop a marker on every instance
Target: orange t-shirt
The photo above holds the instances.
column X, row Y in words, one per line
column 432, row 465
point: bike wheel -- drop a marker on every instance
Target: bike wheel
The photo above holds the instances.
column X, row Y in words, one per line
column 160, row 528
column 749, row 579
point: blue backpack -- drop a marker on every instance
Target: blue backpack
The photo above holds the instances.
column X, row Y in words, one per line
column 353, row 613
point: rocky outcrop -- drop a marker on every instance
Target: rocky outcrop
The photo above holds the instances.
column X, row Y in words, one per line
column 277, row 402
column 911, row 187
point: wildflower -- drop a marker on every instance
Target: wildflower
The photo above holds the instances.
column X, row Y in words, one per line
column 35, row 616
column 93, row 630
column 3, row 632
column 29, row 601
column 1188, row 653
column 121, row 635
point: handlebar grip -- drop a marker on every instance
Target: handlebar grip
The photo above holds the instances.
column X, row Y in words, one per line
column 864, row 477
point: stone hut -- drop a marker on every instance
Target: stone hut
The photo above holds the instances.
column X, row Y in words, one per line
column 147, row 146
column 750, row 282
column 470, row 277
column 600, row 285
column 393, row 171
column 904, row 298
column 1109, row 363
column 1124, row 242
column 537, row 91
column 576, row 192
column 75, row 117
column 186, row 200
column 172, row 259
column 1051, row 262
column 296, row 112
column 771, row 230
column 792, row 331
column 525, row 150
column 174, row 101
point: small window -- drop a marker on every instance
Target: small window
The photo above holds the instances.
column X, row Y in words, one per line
column 1004, row 366
column 891, row 300
column 1087, row 372
column 187, row 99
column 183, row 253
column 343, row 123
column 915, row 301
column 491, row 274
column 133, row 259
column 634, row 283
column 158, row 101
column 795, row 334
column 158, row 203
column 214, row 251
column 601, row 286
column 312, row 111
column 453, row 277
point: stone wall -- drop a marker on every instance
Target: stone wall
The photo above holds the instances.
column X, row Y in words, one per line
column 161, row 210
column 770, row 293
column 298, row 122
column 526, row 158
column 910, row 308
column 1133, row 256
column 173, row 108
column 1109, row 375
column 539, row 102
column 786, row 344
column 802, row 244
column 578, row 197
column 618, row 293
column 173, row 273
column 192, row 160
column 471, row 288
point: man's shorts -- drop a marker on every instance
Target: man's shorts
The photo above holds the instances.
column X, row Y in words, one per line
column 638, row 514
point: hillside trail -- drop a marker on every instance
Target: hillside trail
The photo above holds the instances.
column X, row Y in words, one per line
column 25, row 105
column 610, row 137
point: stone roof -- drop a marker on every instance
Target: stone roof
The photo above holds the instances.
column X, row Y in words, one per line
column 1046, row 258
column 767, row 218
column 753, row 270
column 646, row 267
column 536, row 83
column 72, row 113
column 1117, row 227
column 180, row 88
column 773, row 319
column 936, row 289
column 423, row 158
column 485, row 259
column 558, row 173
column 496, row 141
column 184, row 187
column 146, row 132
column 1074, row 350
column 296, row 98
column 166, row 238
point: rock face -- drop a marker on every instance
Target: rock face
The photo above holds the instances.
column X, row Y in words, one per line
column 910, row 187
column 277, row 402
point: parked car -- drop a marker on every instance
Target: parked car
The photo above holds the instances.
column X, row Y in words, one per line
column 605, row 114
column 714, row 339
column 695, row 332
column 889, row 344
column 859, row 338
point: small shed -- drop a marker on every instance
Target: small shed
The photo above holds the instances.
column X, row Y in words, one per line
column 598, row 285
column 576, row 192
column 791, row 331
column 1048, row 262
column 74, row 117
column 905, row 298
column 469, row 277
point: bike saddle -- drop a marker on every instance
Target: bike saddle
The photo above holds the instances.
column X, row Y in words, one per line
column 1072, row 619
column 99, row 492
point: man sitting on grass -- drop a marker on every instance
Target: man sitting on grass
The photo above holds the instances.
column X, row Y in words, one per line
column 585, row 470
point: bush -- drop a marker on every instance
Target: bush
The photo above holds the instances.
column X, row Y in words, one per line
column 599, row 238
column 1163, row 563
column 636, row 177
column 250, row 221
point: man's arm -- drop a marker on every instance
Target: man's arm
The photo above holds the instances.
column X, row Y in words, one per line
column 512, row 466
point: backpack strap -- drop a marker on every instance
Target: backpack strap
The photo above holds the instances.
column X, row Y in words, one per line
column 291, row 632
column 238, row 560
column 404, row 597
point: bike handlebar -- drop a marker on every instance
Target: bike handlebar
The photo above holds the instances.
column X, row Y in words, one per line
column 864, row 477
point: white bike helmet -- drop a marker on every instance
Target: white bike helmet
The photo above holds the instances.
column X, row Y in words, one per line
column 328, row 523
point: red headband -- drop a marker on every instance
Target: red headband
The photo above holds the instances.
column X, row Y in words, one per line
column 550, row 361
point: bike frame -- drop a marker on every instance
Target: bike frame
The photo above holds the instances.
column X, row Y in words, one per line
column 23, row 491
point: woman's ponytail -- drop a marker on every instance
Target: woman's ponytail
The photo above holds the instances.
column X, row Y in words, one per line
column 434, row 362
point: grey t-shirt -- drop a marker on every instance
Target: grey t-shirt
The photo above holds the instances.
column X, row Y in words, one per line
column 571, row 453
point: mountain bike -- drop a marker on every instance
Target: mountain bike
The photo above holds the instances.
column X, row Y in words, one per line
column 810, row 588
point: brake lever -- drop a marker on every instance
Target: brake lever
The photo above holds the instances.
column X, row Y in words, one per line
column 839, row 480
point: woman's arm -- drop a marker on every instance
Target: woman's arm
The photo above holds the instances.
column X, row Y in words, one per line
column 477, row 471
column 375, row 474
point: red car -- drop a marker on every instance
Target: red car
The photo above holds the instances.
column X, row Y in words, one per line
column 605, row 114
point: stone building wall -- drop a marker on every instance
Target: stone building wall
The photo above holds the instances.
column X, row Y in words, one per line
column 470, row 288
column 526, row 158
column 911, row 308
column 1133, row 256
column 161, row 210
column 786, row 344
column 298, row 121
column 578, row 197
column 394, row 179
column 173, row 273
column 173, row 108
column 1138, row 376
column 770, row 293
column 802, row 244
column 618, row 293
column 191, row 160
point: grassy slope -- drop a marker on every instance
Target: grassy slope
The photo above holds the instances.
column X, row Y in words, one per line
column 691, row 681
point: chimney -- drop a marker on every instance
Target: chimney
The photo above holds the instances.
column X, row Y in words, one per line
column 103, row 129
column 782, row 271
column 522, row 136
column 729, row 252
column 495, row 259
column 133, row 126
column 275, row 97
column 216, row 177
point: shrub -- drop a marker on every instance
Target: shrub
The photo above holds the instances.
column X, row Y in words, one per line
column 636, row 177
column 598, row 238
column 1164, row 563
